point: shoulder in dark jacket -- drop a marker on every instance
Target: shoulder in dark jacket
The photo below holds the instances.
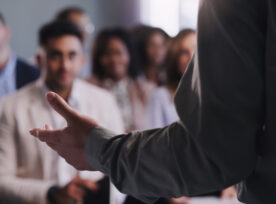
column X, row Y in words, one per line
column 25, row 73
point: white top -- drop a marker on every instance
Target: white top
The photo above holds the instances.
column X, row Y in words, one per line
column 161, row 109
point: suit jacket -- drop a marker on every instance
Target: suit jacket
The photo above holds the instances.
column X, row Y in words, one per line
column 226, row 103
column 26, row 172
column 25, row 73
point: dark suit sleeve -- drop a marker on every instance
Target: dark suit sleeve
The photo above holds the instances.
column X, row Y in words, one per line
column 220, row 102
column 25, row 73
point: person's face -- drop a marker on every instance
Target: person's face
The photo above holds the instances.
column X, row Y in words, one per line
column 63, row 59
column 188, row 45
column 4, row 35
column 83, row 22
column 115, row 60
column 156, row 49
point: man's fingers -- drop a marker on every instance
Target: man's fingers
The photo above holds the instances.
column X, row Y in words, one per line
column 229, row 193
column 92, row 186
column 60, row 106
column 53, row 146
column 48, row 127
column 76, row 193
column 49, row 136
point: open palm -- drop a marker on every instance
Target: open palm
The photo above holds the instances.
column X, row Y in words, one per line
column 70, row 141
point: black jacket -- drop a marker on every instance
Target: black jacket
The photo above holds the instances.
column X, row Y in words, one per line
column 25, row 73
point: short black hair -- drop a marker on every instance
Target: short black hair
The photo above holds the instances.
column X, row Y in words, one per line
column 65, row 13
column 2, row 19
column 57, row 29
column 100, row 46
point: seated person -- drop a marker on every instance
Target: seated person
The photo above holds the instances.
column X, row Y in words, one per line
column 161, row 109
column 30, row 171
column 152, row 44
column 14, row 72
column 79, row 17
column 114, row 69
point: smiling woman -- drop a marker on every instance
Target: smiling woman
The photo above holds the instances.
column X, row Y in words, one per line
column 114, row 69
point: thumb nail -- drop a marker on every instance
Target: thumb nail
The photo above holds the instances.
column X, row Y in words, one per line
column 50, row 96
column 34, row 132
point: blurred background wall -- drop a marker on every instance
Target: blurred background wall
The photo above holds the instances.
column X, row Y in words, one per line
column 26, row 16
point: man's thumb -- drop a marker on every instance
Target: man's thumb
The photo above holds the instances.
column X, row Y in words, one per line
column 60, row 106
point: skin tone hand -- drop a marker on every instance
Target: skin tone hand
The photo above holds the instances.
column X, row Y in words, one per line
column 70, row 141
column 75, row 190
column 181, row 200
column 229, row 193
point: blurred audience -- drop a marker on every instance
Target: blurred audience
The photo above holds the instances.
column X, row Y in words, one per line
column 152, row 46
column 31, row 172
column 161, row 110
column 79, row 17
column 14, row 72
column 114, row 69
column 137, row 33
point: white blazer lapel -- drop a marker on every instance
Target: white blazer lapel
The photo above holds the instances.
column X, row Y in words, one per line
column 40, row 115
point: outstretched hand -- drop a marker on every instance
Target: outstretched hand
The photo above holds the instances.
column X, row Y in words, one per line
column 70, row 141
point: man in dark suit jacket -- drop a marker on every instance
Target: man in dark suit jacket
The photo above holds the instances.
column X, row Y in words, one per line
column 14, row 72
